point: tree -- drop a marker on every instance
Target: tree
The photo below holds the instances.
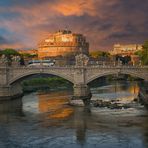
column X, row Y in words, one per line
column 143, row 54
column 97, row 54
column 125, row 60
column 27, row 55
column 139, row 53
column 1, row 52
column 9, row 53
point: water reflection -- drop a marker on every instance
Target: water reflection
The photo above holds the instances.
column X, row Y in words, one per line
column 55, row 104
column 81, row 116
column 119, row 86
column 9, row 108
column 123, row 91
column 111, row 128
column 50, row 122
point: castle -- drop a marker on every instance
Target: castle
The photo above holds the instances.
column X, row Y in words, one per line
column 63, row 43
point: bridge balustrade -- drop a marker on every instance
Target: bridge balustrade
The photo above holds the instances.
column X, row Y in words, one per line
column 93, row 65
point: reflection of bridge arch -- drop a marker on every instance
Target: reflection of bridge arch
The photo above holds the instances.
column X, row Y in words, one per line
column 27, row 74
column 138, row 75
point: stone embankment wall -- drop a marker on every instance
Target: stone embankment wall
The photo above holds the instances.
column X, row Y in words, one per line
column 143, row 96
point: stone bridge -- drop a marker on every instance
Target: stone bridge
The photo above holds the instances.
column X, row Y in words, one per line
column 80, row 76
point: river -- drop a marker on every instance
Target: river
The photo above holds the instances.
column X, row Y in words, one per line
column 44, row 120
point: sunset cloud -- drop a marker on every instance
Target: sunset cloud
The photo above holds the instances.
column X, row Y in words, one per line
column 103, row 22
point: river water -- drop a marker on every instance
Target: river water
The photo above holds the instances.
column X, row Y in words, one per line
column 44, row 120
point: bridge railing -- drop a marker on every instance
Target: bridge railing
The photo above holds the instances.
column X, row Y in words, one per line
column 117, row 66
column 74, row 66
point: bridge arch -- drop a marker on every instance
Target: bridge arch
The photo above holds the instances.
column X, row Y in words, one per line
column 138, row 75
column 27, row 74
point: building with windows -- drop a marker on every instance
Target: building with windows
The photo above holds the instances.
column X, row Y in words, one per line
column 62, row 43
column 125, row 50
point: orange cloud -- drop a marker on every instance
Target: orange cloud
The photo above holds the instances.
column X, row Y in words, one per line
column 98, row 20
column 77, row 7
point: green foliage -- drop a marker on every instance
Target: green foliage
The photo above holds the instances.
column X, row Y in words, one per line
column 1, row 52
column 52, row 82
column 144, row 53
column 10, row 52
column 97, row 54
column 27, row 55
column 144, row 56
column 139, row 53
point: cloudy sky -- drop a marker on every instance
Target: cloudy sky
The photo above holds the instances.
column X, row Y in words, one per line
column 104, row 22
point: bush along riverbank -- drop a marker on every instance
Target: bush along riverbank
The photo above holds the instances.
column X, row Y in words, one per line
column 43, row 84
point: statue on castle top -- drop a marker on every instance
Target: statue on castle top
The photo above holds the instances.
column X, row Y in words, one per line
column 3, row 59
column 15, row 58
column 81, row 60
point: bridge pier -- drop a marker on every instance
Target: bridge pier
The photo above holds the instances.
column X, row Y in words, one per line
column 8, row 92
column 82, row 95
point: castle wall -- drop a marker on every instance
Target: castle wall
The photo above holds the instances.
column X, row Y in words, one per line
column 63, row 43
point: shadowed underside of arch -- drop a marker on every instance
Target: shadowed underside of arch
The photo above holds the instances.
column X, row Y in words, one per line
column 25, row 75
column 138, row 75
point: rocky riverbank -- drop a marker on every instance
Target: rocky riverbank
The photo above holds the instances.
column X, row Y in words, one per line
column 112, row 104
